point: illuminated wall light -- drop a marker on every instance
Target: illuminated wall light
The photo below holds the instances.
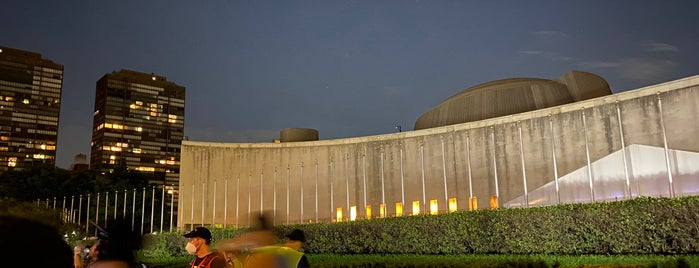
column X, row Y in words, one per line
column 382, row 210
column 338, row 215
column 399, row 209
column 416, row 207
column 353, row 213
column 434, row 207
column 473, row 204
column 493, row 201
column 452, row 204
column 368, row 211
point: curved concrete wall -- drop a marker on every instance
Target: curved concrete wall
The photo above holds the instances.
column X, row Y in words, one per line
column 508, row 157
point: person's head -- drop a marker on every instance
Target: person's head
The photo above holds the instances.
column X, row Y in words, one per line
column 20, row 237
column 118, row 243
column 295, row 239
column 197, row 238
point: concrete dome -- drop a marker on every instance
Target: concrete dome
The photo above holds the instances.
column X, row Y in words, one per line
column 512, row 96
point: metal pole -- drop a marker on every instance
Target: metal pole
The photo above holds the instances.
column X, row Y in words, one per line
column 422, row 170
column 123, row 216
column 249, row 197
column 288, row 174
column 213, row 210
column 97, row 212
column 143, row 208
column 203, row 193
column 87, row 217
column 468, row 165
column 667, row 153
column 106, row 208
column 262, row 193
column 63, row 209
column 54, row 202
column 172, row 205
column 301, row 192
column 316, row 187
column 383, row 188
column 152, row 209
column 191, row 217
column 623, row 152
column 237, row 204
column 402, row 178
column 80, row 210
column 364, row 179
column 162, row 208
column 444, row 173
column 495, row 165
column 116, row 202
column 332, row 194
column 524, row 170
column 47, row 203
column 347, row 180
column 274, row 201
column 587, row 154
column 225, row 205
column 72, row 199
column 133, row 210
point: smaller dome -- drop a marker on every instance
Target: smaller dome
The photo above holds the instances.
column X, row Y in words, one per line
column 298, row 134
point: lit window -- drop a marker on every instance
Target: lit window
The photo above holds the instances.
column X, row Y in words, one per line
column 12, row 162
column 139, row 103
column 139, row 129
column 137, row 150
column 43, row 147
column 153, row 78
column 132, row 106
column 39, row 156
column 25, row 101
column 112, row 157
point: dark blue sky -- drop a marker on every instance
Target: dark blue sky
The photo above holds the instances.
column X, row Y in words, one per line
column 345, row 68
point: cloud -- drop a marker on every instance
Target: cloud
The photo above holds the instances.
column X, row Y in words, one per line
column 642, row 70
column 550, row 33
column 659, row 47
column 546, row 54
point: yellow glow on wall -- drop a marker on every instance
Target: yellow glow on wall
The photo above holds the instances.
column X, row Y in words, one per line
column 368, row 211
column 416, row 207
column 399, row 209
column 338, row 215
column 434, row 207
column 382, row 210
column 494, row 201
column 452, row 204
column 473, row 203
column 353, row 213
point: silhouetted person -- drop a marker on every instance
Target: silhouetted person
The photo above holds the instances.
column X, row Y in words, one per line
column 295, row 240
column 117, row 247
column 27, row 243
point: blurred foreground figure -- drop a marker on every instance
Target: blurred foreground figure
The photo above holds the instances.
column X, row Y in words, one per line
column 258, row 249
column 198, row 244
column 239, row 251
column 27, row 243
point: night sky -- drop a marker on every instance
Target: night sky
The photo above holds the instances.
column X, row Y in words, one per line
column 345, row 68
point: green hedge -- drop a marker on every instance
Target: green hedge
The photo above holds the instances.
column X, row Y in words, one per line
column 638, row 226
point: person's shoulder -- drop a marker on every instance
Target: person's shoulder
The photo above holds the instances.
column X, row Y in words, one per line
column 218, row 261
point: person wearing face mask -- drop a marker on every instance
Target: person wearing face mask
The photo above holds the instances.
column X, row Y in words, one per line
column 198, row 244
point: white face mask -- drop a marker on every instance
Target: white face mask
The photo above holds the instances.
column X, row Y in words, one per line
column 191, row 248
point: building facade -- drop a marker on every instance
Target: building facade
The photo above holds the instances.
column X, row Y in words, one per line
column 138, row 124
column 636, row 143
column 30, row 102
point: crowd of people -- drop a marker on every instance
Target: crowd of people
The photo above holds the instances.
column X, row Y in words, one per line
column 116, row 246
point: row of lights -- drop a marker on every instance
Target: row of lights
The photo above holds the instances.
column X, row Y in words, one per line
column 434, row 208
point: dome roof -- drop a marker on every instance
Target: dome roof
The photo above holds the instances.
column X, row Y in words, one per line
column 512, row 96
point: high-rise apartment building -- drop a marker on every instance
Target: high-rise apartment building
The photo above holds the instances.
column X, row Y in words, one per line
column 30, row 102
column 138, row 123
